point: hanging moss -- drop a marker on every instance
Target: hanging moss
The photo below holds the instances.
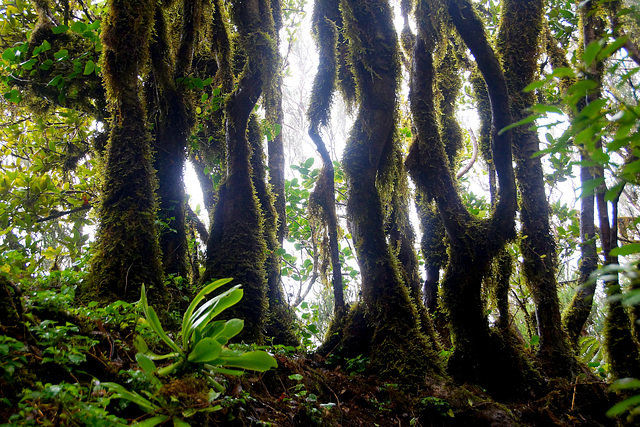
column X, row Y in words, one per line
column 127, row 253
column 325, row 20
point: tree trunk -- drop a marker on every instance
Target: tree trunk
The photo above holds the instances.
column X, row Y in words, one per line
column 478, row 353
column 326, row 16
column 172, row 123
column 519, row 47
column 236, row 246
column 280, row 318
column 577, row 313
column 127, row 252
column 397, row 348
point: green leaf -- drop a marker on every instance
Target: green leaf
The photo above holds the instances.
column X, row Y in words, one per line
column 89, row 67
column 55, row 81
column 234, row 372
column 254, row 360
column 590, row 186
column 187, row 319
column 9, row 55
column 624, row 406
column 153, row 421
column 309, row 162
column 146, row 363
column 612, row 47
column 533, row 86
column 154, row 322
column 626, row 384
column 222, row 302
column 591, row 52
column 60, row 29
column 519, row 123
column 206, row 350
column 179, row 423
column 232, row 328
column 134, row 397
column 61, row 54
column 631, row 248
column 563, row 72
column 79, row 27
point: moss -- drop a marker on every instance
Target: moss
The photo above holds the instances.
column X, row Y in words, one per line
column 169, row 112
column 397, row 346
column 127, row 253
column 10, row 304
column 236, row 246
column 622, row 349
column 520, row 50
column 280, row 317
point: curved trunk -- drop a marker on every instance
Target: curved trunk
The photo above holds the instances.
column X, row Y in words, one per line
column 397, row 348
column 519, row 48
column 236, row 246
column 478, row 354
column 326, row 16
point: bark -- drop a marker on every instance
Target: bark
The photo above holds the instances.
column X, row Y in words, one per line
column 236, row 246
column 397, row 348
column 520, row 52
column 127, row 251
column 172, row 125
column 325, row 16
column 401, row 240
column 623, row 351
column 579, row 309
column 280, row 320
column 478, row 354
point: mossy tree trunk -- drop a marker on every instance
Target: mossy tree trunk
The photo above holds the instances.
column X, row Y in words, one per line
column 397, row 348
column 280, row 317
column 326, row 23
column 127, row 253
column 622, row 348
column 401, row 240
column 577, row 313
column 168, row 111
column 479, row 355
column 236, row 246
column 519, row 48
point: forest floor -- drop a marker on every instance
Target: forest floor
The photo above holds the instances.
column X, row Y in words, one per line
column 52, row 368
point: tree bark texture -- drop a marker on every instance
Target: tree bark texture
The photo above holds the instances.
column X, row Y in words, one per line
column 280, row 318
column 519, row 48
column 478, row 353
column 397, row 347
column 236, row 246
column 127, row 250
column 326, row 17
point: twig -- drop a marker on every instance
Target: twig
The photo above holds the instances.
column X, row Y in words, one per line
column 474, row 156
column 59, row 214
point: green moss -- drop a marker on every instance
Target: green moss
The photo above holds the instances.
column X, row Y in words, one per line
column 126, row 253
